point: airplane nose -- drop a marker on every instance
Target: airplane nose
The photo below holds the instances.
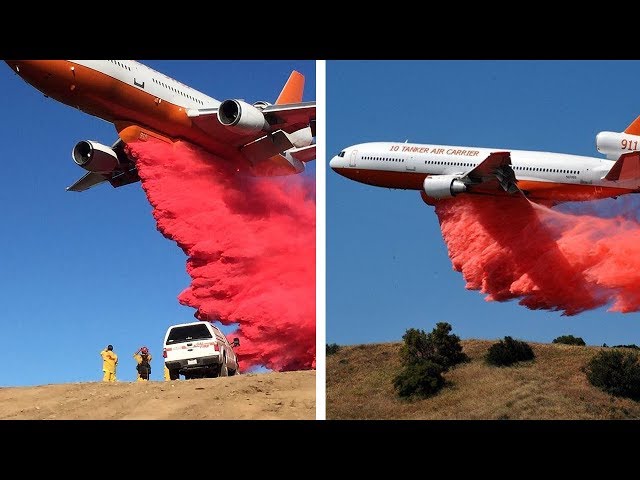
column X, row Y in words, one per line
column 13, row 65
column 22, row 66
column 334, row 162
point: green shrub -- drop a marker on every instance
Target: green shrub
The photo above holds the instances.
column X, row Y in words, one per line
column 616, row 372
column 439, row 347
column 332, row 348
column 633, row 346
column 509, row 351
column 569, row 340
column 420, row 379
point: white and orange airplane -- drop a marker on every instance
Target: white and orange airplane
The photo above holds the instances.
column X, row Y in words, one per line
column 443, row 171
column 259, row 139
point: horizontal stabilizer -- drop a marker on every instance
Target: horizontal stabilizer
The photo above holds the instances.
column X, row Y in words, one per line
column 627, row 167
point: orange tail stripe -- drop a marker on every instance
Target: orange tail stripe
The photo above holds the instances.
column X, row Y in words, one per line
column 292, row 90
column 634, row 128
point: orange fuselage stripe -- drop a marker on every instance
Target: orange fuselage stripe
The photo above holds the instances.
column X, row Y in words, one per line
column 115, row 101
column 536, row 189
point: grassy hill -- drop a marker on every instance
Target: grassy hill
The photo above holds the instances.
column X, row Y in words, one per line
column 552, row 387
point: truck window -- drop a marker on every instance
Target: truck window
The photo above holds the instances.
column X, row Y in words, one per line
column 188, row 333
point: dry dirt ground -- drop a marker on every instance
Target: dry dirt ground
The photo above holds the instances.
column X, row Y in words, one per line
column 260, row 396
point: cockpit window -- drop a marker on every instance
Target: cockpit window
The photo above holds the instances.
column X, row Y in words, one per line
column 341, row 154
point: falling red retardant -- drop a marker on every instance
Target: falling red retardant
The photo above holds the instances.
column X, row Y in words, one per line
column 250, row 246
column 510, row 248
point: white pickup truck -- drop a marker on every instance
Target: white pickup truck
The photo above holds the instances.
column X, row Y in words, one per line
column 199, row 350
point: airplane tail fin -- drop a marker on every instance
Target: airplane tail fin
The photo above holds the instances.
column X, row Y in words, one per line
column 634, row 128
column 292, row 90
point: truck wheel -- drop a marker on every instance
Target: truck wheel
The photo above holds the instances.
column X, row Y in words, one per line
column 235, row 371
column 174, row 374
column 224, row 370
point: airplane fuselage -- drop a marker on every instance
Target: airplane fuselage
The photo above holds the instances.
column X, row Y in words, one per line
column 126, row 92
column 547, row 176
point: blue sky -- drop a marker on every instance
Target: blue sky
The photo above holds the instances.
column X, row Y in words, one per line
column 387, row 265
column 82, row 270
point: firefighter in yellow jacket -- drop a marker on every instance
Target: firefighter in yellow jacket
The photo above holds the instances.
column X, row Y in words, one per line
column 109, row 362
column 143, row 358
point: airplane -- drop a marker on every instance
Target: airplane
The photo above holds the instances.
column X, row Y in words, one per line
column 259, row 139
column 444, row 171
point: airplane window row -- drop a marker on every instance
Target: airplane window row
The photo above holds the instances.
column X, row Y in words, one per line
column 385, row 159
column 457, row 164
column 180, row 92
column 527, row 169
column 550, row 170
column 121, row 64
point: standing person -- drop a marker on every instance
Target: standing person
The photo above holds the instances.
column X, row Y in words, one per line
column 109, row 362
column 143, row 358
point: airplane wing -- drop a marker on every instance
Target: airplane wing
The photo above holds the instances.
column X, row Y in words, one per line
column 91, row 179
column 304, row 154
column 266, row 135
column 116, row 179
column 126, row 175
column 283, row 124
column 494, row 172
column 288, row 118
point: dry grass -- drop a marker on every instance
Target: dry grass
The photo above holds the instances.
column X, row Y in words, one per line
column 552, row 387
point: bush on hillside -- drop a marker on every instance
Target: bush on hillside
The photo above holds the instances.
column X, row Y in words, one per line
column 509, row 351
column 632, row 346
column 616, row 372
column 332, row 348
column 439, row 346
column 419, row 380
column 569, row 340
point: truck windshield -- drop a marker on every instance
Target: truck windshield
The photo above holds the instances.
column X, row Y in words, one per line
column 188, row 333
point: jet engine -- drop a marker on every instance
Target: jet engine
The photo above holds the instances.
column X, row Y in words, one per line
column 241, row 117
column 95, row 157
column 443, row 186
column 613, row 144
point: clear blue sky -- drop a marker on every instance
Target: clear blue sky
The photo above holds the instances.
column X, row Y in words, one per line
column 387, row 265
column 82, row 270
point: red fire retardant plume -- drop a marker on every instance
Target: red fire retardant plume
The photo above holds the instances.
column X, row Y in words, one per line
column 250, row 246
column 509, row 248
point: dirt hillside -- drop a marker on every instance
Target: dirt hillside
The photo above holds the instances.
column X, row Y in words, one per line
column 553, row 386
column 287, row 395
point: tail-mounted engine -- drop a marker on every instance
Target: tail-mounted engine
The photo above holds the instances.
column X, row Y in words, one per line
column 614, row 144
